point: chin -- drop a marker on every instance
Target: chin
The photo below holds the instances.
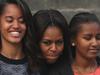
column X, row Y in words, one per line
column 92, row 57
column 52, row 60
column 15, row 41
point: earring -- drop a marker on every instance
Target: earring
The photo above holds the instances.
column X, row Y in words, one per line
column 73, row 44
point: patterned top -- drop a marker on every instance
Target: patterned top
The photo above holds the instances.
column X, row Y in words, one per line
column 13, row 67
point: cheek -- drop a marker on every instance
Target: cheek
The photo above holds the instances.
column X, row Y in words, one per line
column 99, row 41
column 99, row 44
column 44, row 49
column 24, row 27
column 82, row 48
column 0, row 28
column 60, row 48
column 80, row 45
column 3, row 29
column 4, row 26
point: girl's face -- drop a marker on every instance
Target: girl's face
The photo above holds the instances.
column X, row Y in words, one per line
column 88, row 40
column 52, row 44
column 12, row 26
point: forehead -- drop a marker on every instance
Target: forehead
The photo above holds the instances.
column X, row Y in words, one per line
column 53, row 32
column 12, row 8
column 90, row 27
column 53, row 29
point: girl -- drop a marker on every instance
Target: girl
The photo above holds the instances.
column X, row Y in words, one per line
column 85, row 39
column 16, row 57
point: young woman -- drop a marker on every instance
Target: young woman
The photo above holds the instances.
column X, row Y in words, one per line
column 85, row 39
column 16, row 57
column 53, row 41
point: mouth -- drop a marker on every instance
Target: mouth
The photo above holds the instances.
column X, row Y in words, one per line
column 94, row 50
column 54, row 54
column 15, row 33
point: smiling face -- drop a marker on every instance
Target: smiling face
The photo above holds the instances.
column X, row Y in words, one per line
column 12, row 26
column 88, row 40
column 52, row 44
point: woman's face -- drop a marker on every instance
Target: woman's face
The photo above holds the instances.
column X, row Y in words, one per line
column 88, row 40
column 12, row 26
column 52, row 44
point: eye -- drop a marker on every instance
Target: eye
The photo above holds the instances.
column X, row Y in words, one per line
column 59, row 42
column 87, row 37
column 21, row 20
column 98, row 37
column 46, row 42
column 9, row 19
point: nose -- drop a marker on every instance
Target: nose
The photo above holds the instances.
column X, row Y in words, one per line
column 16, row 25
column 53, row 47
column 94, row 42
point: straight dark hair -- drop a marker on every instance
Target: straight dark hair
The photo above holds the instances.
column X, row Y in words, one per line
column 29, row 45
column 76, row 23
column 47, row 18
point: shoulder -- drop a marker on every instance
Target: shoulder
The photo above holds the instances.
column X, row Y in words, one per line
column 97, row 71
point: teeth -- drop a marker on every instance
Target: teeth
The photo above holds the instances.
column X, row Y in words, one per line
column 14, row 33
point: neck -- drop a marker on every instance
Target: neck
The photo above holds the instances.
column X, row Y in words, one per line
column 12, row 51
column 83, row 65
column 84, row 62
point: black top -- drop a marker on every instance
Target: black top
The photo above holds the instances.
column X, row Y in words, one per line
column 13, row 67
column 59, row 68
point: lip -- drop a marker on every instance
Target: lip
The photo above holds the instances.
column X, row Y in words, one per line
column 15, row 31
column 93, row 50
column 53, row 54
column 96, row 49
column 15, row 34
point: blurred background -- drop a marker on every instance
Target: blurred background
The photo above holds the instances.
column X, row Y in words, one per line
column 67, row 7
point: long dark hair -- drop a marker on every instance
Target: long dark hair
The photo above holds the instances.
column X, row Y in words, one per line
column 29, row 46
column 46, row 18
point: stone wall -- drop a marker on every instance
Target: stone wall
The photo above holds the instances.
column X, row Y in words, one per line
column 67, row 7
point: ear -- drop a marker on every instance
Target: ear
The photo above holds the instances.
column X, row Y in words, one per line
column 73, row 42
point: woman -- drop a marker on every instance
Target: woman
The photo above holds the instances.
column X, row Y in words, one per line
column 53, row 41
column 85, row 39
column 16, row 57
